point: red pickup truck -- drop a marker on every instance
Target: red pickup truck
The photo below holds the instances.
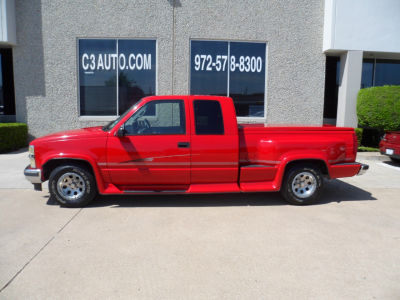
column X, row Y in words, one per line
column 190, row 144
column 390, row 145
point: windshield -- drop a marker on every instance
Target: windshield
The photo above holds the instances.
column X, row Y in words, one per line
column 111, row 125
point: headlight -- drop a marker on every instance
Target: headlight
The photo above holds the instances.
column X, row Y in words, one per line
column 32, row 156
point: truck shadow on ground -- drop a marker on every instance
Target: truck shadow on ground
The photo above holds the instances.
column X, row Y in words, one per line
column 392, row 163
column 335, row 191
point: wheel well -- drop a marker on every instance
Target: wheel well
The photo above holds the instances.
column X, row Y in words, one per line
column 50, row 165
column 320, row 164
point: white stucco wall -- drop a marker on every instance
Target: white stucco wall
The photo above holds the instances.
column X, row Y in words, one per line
column 367, row 25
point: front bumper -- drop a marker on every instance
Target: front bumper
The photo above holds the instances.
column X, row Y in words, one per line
column 33, row 175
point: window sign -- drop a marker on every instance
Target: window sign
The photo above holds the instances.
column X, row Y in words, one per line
column 115, row 74
column 247, row 78
column 209, row 68
column 235, row 69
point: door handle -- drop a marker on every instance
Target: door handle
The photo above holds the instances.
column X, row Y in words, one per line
column 183, row 145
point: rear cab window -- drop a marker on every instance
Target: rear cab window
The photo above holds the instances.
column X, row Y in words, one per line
column 208, row 117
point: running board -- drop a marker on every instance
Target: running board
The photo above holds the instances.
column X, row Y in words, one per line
column 211, row 188
column 155, row 192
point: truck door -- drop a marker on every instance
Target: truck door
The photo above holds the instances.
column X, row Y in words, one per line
column 154, row 153
column 214, row 141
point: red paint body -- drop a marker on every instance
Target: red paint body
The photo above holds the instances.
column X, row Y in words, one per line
column 390, row 144
column 246, row 158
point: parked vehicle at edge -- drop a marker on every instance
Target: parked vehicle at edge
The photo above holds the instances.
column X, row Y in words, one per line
column 390, row 145
column 190, row 144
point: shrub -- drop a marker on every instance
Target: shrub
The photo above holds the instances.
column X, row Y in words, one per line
column 367, row 149
column 12, row 136
column 359, row 132
column 379, row 107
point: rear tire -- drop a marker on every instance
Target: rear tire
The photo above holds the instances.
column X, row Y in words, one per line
column 302, row 185
column 72, row 186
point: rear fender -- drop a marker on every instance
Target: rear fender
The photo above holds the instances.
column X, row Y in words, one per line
column 317, row 156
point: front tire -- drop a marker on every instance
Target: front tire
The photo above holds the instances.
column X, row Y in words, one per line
column 72, row 186
column 302, row 185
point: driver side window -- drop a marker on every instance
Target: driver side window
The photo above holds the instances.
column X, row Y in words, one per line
column 158, row 117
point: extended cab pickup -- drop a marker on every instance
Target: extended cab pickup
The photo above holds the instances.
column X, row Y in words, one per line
column 190, row 144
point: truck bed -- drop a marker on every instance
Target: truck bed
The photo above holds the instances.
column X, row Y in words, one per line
column 265, row 149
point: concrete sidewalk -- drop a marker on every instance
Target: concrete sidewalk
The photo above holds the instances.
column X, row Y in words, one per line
column 239, row 246
column 372, row 156
column 12, row 167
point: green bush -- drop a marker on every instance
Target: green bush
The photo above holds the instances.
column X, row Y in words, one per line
column 359, row 132
column 367, row 149
column 12, row 136
column 379, row 107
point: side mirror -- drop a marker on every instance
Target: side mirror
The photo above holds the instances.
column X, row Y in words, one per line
column 121, row 131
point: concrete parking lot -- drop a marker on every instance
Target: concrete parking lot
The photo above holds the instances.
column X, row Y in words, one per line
column 240, row 246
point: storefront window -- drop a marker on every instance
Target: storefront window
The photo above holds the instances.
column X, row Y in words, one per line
column 367, row 77
column 115, row 74
column 138, row 78
column 247, row 78
column 387, row 72
column 235, row 69
column 379, row 72
column 7, row 98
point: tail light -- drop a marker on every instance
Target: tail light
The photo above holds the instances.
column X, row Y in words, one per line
column 384, row 138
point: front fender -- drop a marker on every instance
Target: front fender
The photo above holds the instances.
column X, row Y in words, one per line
column 79, row 157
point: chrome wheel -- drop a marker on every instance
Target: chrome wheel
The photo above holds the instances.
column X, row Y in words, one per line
column 71, row 186
column 304, row 185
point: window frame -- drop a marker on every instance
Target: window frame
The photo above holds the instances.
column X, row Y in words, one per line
column 107, row 118
column 239, row 119
column 155, row 117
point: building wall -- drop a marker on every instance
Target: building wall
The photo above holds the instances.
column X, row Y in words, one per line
column 355, row 30
column 366, row 25
column 45, row 58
